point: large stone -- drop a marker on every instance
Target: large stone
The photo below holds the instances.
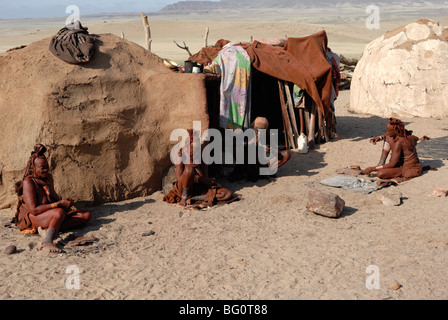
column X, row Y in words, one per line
column 390, row 197
column 325, row 203
column 403, row 73
column 106, row 124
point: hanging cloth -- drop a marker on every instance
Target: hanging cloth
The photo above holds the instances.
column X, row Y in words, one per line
column 235, row 67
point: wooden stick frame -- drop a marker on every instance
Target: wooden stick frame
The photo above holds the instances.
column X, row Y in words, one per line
column 290, row 143
column 291, row 112
column 147, row 31
column 184, row 48
column 206, row 37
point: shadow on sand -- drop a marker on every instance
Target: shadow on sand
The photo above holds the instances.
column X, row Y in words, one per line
column 99, row 219
column 357, row 128
column 299, row 165
column 433, row 151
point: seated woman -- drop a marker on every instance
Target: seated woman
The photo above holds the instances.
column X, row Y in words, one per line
column 192, row 181
column 404, row 163
column 40, row 206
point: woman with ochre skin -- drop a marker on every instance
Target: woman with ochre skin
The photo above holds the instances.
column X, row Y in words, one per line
column 192, row 180
column 404, row 163
column 40, row 206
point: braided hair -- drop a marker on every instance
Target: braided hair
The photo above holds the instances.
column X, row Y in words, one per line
column 38, row 152
column 401, row 131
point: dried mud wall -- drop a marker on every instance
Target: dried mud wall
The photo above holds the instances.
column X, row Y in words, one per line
column 106, row 124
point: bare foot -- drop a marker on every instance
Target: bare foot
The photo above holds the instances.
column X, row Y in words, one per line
column 183, row 202
column 50, row 247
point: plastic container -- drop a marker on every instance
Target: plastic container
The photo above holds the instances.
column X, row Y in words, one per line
column 302, row 142
column 189, row 66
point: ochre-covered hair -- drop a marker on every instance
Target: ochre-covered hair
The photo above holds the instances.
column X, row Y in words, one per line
column 399, row 128
column 401, row 131
column 38, row 152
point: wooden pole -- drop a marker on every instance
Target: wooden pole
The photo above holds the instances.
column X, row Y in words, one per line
column 206, row 37
column 306, row 113
column 147, row 31
column 283, row 115
column 319, row 123
column 291, row 113
column 307, row 121
column 302, row 120
column 312, row 126
column 286, row 135
column 331, row 125
column 325, row 126
column 286, row 119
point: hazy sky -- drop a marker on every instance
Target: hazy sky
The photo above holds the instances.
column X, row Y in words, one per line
column 11, row 9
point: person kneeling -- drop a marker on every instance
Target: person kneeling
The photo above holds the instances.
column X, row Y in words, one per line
column 404, row 163
column 192, row 181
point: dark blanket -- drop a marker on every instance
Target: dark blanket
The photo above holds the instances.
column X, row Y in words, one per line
column 74, row 46
column 207, row 54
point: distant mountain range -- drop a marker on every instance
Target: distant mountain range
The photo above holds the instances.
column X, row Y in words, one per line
column 192, row 6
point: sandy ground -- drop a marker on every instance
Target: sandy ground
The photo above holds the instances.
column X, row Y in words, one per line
column 266, row 246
